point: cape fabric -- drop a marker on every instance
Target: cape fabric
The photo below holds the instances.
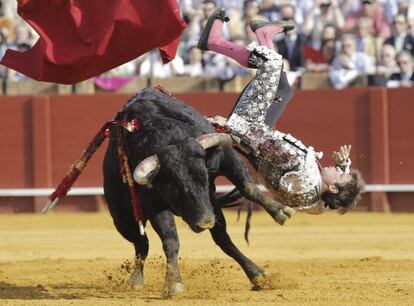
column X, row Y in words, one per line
column 80, row 39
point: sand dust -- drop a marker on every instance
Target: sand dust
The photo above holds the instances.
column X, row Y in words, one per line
column 79, row 259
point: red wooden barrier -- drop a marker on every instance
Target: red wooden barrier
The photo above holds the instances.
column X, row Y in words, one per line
column 41, row 136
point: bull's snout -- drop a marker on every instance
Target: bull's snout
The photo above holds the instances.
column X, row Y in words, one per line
column 204, row 223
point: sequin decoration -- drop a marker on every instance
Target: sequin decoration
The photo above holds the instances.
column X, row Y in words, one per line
column 287, row 167
column 289, row 171
column 261, row 92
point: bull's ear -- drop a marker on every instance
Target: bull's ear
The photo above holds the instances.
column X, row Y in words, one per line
column 146, row 171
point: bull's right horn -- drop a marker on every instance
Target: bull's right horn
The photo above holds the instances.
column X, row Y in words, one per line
column 217, row 139
column 147, row 170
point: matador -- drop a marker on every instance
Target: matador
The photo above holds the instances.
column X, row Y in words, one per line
column 286, row 167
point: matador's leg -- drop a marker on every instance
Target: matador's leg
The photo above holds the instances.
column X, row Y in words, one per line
column 284, row 93
column 265, row 32
column 255, row 100
column 262, row 90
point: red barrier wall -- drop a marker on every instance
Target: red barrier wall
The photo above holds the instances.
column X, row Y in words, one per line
column 41, row 136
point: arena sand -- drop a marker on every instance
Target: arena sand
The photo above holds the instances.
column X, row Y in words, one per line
column 79, row 259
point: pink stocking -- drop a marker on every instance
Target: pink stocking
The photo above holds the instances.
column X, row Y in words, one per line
column 265, row 35
column 217, row 43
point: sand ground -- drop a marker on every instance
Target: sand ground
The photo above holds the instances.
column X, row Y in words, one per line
column 80, row 259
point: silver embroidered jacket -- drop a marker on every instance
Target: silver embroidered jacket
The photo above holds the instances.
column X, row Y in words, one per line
column 286, row 167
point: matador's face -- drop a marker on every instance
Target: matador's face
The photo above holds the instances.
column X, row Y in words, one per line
column 334, row 175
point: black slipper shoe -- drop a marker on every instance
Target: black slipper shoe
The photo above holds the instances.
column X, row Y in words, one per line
column 285, row 26
column 219, row 13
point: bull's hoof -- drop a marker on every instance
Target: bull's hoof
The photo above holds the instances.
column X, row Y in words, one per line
column 136, row 280
column 172, row 289
column 261, row 282
column 282, row 214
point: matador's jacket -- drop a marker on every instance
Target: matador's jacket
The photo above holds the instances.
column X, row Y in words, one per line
column 286, row 167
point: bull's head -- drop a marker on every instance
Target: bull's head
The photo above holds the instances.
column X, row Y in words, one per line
column 180, row 174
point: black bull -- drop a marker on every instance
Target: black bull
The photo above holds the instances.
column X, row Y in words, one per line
column 184, row 184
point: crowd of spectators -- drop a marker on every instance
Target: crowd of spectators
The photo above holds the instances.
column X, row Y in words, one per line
column 341, row 39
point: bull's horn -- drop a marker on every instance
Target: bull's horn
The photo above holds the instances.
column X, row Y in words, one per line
column 146, row 170
column 217, row 139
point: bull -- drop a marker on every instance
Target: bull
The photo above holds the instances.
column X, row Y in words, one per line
column 175, row 168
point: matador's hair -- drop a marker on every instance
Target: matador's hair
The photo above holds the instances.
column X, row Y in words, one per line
column 348, row 194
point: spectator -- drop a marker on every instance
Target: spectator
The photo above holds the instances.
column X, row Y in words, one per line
column 7, row 26
column 207, row 8
column 194, row 65
column 329, row 32
column 214, row 63
column 365, row 41
column 373, row 10
column 320, row 61
column 234, row 9
column 8, row 8
column 329, row 51
column 293, row 77
column 13, row 75
column 251, row 11
column 230, row 5
column 151, row 66
column 406, row 7
column 3, row 47
column 270, row 9
column 292, row 44
column 3, row 43
column 117, row 77
column 387, row 64
column 196, row 21
column 401, row 38
column 24, row 34
column 322, row 13
column 302, row 9
column 351, row 6
column 188, row 9
column 349, row 64
column 404, row 78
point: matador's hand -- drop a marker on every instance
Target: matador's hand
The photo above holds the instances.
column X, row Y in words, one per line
column 221, row 121
column 341, row 157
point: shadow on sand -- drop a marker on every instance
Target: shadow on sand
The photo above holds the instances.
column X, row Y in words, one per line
column 38, row 292
column 11, row 291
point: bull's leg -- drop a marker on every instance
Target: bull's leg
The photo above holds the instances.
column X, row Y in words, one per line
column 164, row 224
column 130, row 231
column 136, row 280
column 280, row 213
column 222, row 239
column 235, row 170
column 119, row 206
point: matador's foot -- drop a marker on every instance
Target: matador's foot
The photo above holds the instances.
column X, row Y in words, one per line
column 218, row 14
column 274, row 27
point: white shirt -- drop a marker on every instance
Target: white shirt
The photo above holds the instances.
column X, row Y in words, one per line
column 175, row 67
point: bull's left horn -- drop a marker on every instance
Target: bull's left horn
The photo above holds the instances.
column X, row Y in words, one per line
column 146, row 170
column 217, row 139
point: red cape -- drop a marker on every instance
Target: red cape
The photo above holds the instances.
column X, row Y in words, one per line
column 80, row 39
